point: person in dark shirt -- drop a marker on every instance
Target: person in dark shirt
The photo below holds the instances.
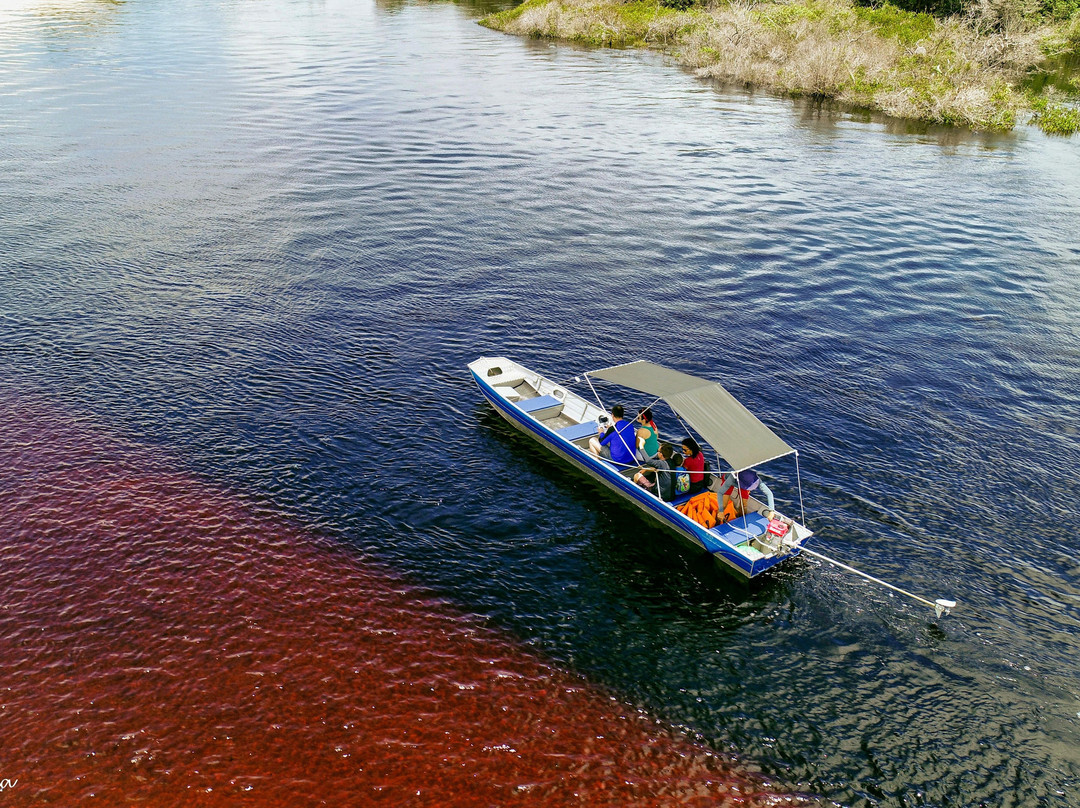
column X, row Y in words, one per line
column 665, row 476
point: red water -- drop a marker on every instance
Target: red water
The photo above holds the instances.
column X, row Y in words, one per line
column 164, row 641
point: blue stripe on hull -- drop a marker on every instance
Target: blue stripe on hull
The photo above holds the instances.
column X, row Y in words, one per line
column 601, row 471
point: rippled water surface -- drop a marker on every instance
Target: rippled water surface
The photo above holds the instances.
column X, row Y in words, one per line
column 262, row 542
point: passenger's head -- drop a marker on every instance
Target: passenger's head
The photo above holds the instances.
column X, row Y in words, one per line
column 618, row 411
column 666, row 451
column 645, row 415
column 690, row 446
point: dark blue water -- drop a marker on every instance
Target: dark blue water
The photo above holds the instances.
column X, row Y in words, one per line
column 267, row 238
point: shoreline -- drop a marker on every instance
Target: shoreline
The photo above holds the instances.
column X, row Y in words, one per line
column 966, row 71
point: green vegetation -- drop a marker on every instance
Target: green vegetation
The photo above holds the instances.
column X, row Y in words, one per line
column 997, row 62
column 501, row 20
column 1056, row 119
column 1060, row 9
column 890, row 22
column 619, row 25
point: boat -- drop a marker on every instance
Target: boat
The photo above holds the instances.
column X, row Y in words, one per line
column 747, row 544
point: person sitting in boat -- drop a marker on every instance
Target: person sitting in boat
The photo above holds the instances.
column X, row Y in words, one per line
column 619, row 442
column 694, row 462
column 748, row 481
column 679, row 475
column 662, row 463
column 648, row 443
column 646, row 478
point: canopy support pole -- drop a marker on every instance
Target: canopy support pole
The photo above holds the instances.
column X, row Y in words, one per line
column 798, row 482
column 598, row 401
column 940, row 606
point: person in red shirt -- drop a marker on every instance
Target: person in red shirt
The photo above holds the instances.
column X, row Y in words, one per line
column 694, row 462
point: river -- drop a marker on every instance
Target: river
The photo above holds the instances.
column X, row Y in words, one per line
column 246, row 251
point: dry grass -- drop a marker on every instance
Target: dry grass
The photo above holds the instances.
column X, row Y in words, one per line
column 607, row 24
column 962, row 71
column 804, row 57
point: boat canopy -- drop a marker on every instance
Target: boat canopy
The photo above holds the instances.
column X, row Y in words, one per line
column 725, row 424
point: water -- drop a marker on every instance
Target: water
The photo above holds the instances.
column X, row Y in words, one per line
column 258, row 244
column 167, row 641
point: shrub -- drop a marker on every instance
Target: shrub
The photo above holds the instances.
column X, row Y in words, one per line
column 501, row 19
column 1002, row 16
column 778, row 16
column 1055, row 119
column 937, row 8
column 892, row 22
column 1071, row 33
column 1060, row 10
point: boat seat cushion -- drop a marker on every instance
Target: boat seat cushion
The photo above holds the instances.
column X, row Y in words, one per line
column 742, row 527
column 509, row 393
column 576, row 432
column 538, row 403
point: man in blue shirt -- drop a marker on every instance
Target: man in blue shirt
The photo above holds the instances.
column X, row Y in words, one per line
column 619, row 443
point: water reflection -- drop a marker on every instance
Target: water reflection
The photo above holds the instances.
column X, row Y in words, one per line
column 64, row 18
column 478, row 8
column 830, row 115
column 1060, row 72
